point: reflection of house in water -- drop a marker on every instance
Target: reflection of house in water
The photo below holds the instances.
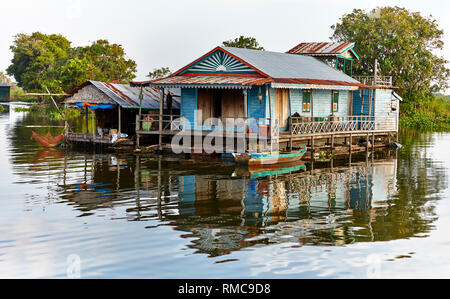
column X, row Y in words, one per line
column 306, row 207
column 278, row 197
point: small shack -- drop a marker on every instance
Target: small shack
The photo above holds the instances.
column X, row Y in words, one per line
column 114, row 109
column 338, row 55
column 5, row 90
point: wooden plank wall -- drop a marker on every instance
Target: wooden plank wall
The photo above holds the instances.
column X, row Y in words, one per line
column 322, row 102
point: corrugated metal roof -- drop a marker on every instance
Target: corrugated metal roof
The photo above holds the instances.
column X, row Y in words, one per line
column 128, row 97
column 321, row 48
column 211, row 81
column 247, row 82
column 282, row 65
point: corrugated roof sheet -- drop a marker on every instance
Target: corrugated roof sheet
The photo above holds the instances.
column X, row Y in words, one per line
column 128, row 97
column 211, row 80
column 242, row 82
column 320, row 48
column 282, row 65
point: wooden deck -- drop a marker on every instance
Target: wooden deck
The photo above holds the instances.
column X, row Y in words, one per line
column 89, row 138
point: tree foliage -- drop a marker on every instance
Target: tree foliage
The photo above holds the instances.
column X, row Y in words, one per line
column 4, row 79
column 243, row 42
column 159, row 73
column 41, row 61
column 404, row 43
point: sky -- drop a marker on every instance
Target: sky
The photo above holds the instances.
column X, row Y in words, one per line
column 173, row 33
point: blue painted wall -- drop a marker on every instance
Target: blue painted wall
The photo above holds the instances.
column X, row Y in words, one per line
column 322, row 103
column 256, row 108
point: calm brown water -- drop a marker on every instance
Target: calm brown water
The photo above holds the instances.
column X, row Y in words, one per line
column 105, row 215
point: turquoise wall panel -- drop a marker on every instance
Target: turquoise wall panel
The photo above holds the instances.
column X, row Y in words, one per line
column 358, row 97
column 256, row 108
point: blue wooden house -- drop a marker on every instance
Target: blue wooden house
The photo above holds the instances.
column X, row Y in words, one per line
column 286, row 97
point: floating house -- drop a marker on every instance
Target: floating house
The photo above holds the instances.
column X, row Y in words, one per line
column 115, row 107
column 5, row 90
column 284, row 97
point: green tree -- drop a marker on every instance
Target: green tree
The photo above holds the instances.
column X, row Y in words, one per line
column 159, row 73
column 403, row 42
column 4, row 79
column 42, row 61
column 103, row 61
column 243, row 42
column 36, row 59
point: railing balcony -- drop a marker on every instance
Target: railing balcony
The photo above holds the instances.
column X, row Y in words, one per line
column 242, row 126
column 150, row 123
column 333, row 124
column 381, row 81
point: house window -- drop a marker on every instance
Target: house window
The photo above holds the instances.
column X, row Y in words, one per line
column 335, row 101
column 306, row 107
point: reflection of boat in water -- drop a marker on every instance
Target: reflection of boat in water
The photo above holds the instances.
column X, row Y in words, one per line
column 48, row 140
column 268, row 158
column 255, row 172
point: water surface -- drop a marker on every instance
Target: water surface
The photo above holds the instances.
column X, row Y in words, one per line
column 386, row 214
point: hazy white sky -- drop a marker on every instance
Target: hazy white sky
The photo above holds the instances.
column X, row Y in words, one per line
column 174, row 32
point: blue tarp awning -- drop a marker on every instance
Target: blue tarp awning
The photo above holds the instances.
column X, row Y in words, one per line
column 95, row 106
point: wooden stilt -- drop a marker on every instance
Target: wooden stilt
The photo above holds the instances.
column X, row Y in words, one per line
column 120, row 122
column 332, row 143
column 312, row 148
column 350, row 143
column 367, row 142
column 66, row 124
column 139, row 118
column 93, row 126
column 161, row 107
column 138, row 136
column 373, row 141
column 86, row 120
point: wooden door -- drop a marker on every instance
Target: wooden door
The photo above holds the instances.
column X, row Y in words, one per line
column 205, row 102
column 282, row 106
column 232, row 103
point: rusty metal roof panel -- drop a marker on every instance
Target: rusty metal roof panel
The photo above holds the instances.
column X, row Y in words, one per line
column 209, row 81
column 128, row 97
column 323, row 48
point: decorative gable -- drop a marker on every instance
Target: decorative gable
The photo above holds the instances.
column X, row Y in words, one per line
column 220, row 62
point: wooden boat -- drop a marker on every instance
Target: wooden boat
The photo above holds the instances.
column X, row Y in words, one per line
column 268, row 158
column 47, row 140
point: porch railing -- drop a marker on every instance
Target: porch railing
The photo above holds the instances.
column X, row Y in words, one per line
column 246, row 126
column 150, row 123
column 313, row 125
